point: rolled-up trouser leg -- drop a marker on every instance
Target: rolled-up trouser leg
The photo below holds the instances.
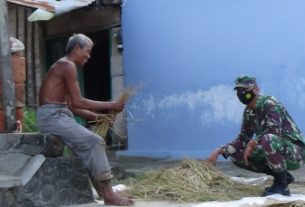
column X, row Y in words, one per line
column 94, row 158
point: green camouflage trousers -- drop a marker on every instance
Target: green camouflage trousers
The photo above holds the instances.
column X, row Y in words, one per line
column 273, row 152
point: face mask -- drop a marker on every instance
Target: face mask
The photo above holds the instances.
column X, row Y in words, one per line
column 245, row 96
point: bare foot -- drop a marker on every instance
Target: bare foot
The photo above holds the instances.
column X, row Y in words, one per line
column 112, row 198
column 104, row 189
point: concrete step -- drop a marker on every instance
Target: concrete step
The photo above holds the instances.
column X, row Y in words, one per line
column 7, row 181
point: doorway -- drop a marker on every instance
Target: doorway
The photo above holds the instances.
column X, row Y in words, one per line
column 97, row 75
column 97, row 78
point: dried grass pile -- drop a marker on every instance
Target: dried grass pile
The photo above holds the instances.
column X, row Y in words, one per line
column 290, row 204
column 191, row 181
column 105, row 121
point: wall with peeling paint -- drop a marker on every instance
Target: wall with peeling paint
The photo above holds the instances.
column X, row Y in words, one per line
column 185, row 56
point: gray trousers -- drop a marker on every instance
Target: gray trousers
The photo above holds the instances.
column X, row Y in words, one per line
column 58, row 120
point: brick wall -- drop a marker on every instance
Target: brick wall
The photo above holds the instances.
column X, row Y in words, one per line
column 18, row 67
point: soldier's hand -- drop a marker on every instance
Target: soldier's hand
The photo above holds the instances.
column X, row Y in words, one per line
column 249, row 148
column 214, row 156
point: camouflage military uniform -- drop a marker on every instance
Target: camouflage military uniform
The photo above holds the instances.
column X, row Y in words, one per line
column 280, row 144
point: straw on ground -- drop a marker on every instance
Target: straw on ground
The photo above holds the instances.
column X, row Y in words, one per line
column 191, row 181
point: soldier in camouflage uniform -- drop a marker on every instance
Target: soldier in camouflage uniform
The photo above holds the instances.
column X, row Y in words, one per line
column 269, row 141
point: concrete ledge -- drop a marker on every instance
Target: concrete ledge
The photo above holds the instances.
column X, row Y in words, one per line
column 7, row 181
column 31, row 144
column 31, row 168
column 33, row 172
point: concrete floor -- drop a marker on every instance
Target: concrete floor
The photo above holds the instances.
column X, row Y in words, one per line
column 139, row 203
column 137, row 164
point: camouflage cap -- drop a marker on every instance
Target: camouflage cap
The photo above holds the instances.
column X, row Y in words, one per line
column 245, row 82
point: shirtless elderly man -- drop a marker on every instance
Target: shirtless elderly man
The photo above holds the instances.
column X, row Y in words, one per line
column 60, row 98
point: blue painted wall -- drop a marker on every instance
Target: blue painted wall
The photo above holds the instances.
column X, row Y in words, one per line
column 185, row 54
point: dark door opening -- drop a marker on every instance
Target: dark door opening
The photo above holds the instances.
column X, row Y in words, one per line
column 97, row 85
column 97, row 76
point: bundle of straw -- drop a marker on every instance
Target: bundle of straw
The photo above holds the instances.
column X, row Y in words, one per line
column 192, row 181
column 103, row 124
column 105, row 121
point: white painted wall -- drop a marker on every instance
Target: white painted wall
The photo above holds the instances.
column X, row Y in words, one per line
column 186, row 54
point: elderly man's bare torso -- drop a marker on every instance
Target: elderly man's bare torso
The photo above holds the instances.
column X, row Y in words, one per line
column 54, row 89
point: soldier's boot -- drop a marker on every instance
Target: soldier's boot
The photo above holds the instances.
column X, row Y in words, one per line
column 290, row 178
column 279, row 186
